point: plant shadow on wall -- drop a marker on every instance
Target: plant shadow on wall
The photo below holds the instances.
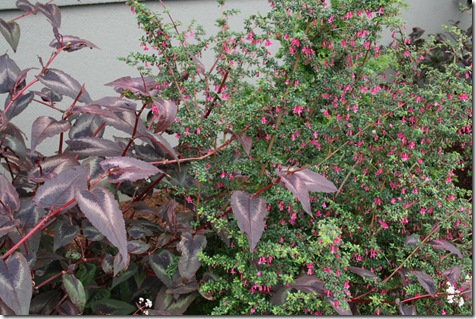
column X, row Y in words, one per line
column 304, row 181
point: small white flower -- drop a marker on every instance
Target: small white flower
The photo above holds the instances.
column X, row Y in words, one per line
column 141, row 300
column 148, row 303
column 146, row 312
column 460, row 302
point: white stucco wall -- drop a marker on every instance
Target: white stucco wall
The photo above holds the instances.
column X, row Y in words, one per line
column 113, row 28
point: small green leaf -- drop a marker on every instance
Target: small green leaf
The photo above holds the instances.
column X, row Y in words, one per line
column 11, row 33
column 75, row 290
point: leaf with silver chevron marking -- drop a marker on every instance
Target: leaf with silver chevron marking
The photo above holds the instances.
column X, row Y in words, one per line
column 15, row 280
column 102, row 210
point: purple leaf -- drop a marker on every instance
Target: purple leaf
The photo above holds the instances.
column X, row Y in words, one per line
column 29, row 215
column 63, row 84
column 443, row 244
column 134, row 85
column 51, row 166
column 64, row 234
column 467, row 288
column 250, row 214
column 16, row 282
column 245, row 141
column 7, row 224
column 166, row 111
column 71, row 43
column 59, row 190
column 86, row 125
column 308, row 283
column 25, row 6
column 411, row 240
column 125, row 121
column 11, row 33
column 112, row 307
column 301, row 182
column 299, row 189
column 102, row 210
column 48, row 95
column 407, row 310
column 9, row 199
column 75, row 290
column 160, row 142
column 159, row 264
column 115, row 104
column 9, row 72
column 182, row 289
column 19, row 105
column 335, row 304
column 94, row 146
column 67, row 308
column 137, row 247
column 279, row 297
column 452, row 274
column 190, row 246
column 45, row 126
column 315, row 182
column 51, row 12
column 128, row 168
column 426, row 281
column 362, row 272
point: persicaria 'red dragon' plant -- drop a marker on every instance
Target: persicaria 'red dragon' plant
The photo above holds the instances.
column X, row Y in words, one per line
column 312, row 170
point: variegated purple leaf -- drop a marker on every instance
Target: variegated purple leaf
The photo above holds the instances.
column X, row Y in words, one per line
column 182, row 289
column 9, row 199
column 165, row 112
column 28, row 214
column 102, row 210
column 64, row 84
column 160, row 142
column 49, row 95
column 128, row 168
column 250, row 214
column 64, row 234
column 75, row 290
column 19, row 105
column 364, row 273
column 307, row 283
column 51, row 166
column 9, row 72
column 11, row 32
column 71, row 43
column 59, row 190
column 115, row 104
column 93, row 146
column 44, row 127
column 137, row 247
column 299, row 189
column 452, row 274
column 407, row 310
column 25, row 5
column 279, row 297
column 134, row 85
column 302, row 181
column 16, row 282
column 7, row 224
column 125, row 121
column 87, row 125
column 51, row 12
column 443, row 244
column 190, row 246
column 426, row 281
column 159, row 264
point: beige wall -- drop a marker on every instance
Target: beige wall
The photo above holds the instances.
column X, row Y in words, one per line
column 113, row 28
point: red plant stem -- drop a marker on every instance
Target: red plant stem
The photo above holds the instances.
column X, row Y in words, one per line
column 34, row 229
column 29, row 12
column 61, row 273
